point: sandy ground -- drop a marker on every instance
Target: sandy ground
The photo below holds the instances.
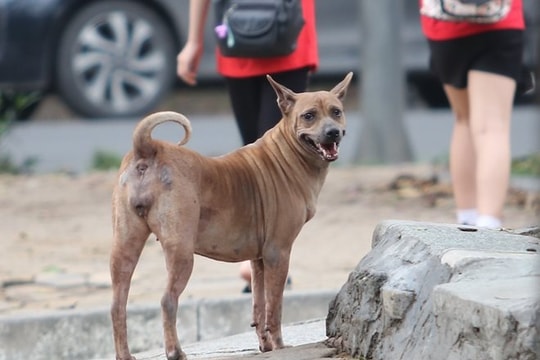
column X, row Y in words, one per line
column 56, row 236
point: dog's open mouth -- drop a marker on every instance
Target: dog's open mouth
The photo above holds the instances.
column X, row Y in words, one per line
column 328, row 151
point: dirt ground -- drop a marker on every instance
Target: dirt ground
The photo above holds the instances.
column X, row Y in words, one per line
column 56, row 236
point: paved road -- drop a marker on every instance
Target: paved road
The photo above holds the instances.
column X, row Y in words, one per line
column 70, row 145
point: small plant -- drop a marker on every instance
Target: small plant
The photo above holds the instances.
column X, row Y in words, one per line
column 7, row 165
column 105, row 160
column 527, row 165
column 15, row 106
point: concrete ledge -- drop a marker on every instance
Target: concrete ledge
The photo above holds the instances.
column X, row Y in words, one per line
column 441, row 291
column 476, row 314
column 87, row 334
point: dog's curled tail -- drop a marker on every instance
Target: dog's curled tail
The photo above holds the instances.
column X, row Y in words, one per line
column 143, row 145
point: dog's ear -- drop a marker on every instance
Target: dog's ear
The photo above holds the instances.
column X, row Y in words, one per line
column 340, row 90
column 285, row 97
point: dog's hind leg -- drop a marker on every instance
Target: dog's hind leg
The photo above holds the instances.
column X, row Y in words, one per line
column 179, row 266
column 129, row 239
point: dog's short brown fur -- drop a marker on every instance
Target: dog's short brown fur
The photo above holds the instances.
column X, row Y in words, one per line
column 247, row 205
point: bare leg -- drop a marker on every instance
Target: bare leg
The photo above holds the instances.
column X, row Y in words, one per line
column 480, row 147
column 462, row 151
column 245, row 271
column 491, row 99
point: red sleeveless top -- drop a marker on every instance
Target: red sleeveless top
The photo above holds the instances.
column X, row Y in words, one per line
column 444, row 30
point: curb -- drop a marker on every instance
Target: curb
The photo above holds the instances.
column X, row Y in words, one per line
column 87, row 334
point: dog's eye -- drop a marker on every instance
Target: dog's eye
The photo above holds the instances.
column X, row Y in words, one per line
column 336, row 112
column 308, row 116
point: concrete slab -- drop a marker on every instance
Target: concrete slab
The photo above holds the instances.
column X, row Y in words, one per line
column 305, row 338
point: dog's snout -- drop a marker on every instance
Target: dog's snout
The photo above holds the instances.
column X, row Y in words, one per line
column 333, row 134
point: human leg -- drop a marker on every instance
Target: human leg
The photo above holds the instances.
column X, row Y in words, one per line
column 492, row 85
column 491, row 99
column 245, row 274
column 244, row 95
column 485, row 67
column 462, row 157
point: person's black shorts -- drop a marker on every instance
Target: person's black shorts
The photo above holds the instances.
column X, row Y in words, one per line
column 499, row 52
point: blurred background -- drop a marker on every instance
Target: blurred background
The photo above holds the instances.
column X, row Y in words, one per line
column 84, row 65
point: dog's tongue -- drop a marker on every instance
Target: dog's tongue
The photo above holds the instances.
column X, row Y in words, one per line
column 330, row 151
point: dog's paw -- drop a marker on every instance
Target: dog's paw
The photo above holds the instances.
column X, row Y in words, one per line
column 265, row 344
column 265, row 348
column 176, row 355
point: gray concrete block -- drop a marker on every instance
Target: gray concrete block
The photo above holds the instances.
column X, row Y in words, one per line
column 59, row 335
column 396, row 302
column 225, row 317
column 218, row 318
column 494, row 319
column 145, row 329
column 86, row 334
column 476, row 295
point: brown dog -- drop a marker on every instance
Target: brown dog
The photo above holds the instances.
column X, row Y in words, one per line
column 247, row 205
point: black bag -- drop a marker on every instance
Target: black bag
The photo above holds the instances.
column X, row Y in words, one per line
column 257, row 28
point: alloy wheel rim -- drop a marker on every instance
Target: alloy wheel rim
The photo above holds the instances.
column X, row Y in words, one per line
column 117, row 63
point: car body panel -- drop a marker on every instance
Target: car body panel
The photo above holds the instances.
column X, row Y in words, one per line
column 30, row 30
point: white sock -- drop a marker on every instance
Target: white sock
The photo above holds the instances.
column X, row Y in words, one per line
column 488, row 221
column 467, row 216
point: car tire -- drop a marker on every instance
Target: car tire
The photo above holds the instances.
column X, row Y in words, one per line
column 115, row 59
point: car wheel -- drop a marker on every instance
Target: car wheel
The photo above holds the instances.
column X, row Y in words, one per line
column 115, row 59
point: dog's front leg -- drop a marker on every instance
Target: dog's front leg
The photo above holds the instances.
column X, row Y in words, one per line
column 275, row 276
column 179, row 261
column 257, row 286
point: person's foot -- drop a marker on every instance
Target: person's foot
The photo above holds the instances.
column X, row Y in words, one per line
column 288, row 284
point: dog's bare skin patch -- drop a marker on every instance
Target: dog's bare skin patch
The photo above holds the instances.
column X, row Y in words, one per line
column 166, row 177
column 247, row 205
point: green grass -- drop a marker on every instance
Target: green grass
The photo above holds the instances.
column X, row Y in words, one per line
column 14, row 105
column 105, row 160
column 527, row 165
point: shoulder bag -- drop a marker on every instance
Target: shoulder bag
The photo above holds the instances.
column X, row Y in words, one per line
column 257, row 28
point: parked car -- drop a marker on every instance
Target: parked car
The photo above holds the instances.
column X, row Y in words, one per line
column 117, row 58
